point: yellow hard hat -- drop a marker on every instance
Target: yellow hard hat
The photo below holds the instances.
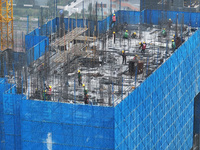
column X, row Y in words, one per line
column 163, row 28
column 49, row 86
column 114, row 14
column 169, row 19
column 45, row 91
column 172, row 40
column 122, row 51
column 113, row 32
column 134, row 33
column 143, row 42
column 79, row 71
column 126, row 30
column 83, row 85
column 140, row 43
column 173, row 35
column 43, row 64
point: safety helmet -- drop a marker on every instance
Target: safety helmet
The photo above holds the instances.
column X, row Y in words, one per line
column 43, row 64
column 122, row 51
column 173, row 35
column 83, row 85
column 133, row 87
column 140, row 43
column 163, row 28
column 169, row 19
column 126, row 30
column 136, row 55
column 45, row 91
column 79, row 71
column 113, row 14
column 134, row 33
column 113, row 32
column 144, row 42
column 172, row 40
column 50, row 86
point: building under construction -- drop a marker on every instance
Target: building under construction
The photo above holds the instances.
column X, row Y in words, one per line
column 72, row 88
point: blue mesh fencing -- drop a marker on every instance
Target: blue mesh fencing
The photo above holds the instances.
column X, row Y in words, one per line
column 37, row 51
column 156, row 16
column 159, row 114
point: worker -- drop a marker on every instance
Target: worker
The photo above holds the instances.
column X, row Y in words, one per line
column 79, row 78
column 164, row 32
column 173, row 37
column 113, row 20
column 114, row 36
column 142, row 46
column 126, row 34
column 85, row 90
column 136, row 58
column 37, row 94
column 134, row 35
column 173, row 45
column 86, row 99
column 44, row 94
column 49, row 93
column 124, row 57
column 170, row 23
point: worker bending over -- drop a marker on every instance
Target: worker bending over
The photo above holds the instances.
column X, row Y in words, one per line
column 134, row 35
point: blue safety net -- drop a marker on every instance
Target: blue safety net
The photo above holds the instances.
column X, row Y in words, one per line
column 66, row 126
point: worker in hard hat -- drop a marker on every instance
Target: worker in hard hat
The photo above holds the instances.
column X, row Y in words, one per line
column 164, row 32
column 142, row 46
column 79, row 78
column 173, row 45
column 113, row 20
column 114, row 36
column 134, row 35
column 123, row 57
column 126, row 35
column 49, row 93
column 136, row 58
column 170, row 23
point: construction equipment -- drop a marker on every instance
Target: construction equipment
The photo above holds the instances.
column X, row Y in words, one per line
column 6, row 24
